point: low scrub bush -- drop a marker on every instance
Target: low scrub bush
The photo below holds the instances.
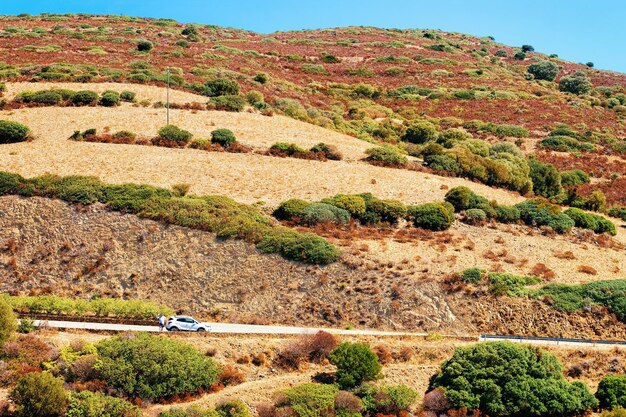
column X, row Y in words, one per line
column 356, row 363
column 353, row 204
column 591, row 221
column 544, row 70
column 572, row 298
column 329, row 151
column 110, row 99
column 566, row 144
column 432, row 216
column 13, row 132
column 318, row 213
column 386, row 155
column 507, row 214
column 95, row 404
column 85, row 98
column 304, row 247
column 462, row 198
column 502, row 283
column 39, row 395
column 127, row 96
column 8, row 321
column 103, row 307
column 578, row 83
column 505, row 379
column 475, row 216
column 174, row 134
column 420, row 132
column 290, row 209
column 45, row 97
column 538, row 212
column 234, row 103
column 220, row 87
column 144, row 45
column 574, row 178
column 472, row 275
column 615, row 211
column 223, row 137
column 612, row 391
column 153, row 368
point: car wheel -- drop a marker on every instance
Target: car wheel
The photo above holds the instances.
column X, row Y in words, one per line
column 173, row 329
column 201, row 329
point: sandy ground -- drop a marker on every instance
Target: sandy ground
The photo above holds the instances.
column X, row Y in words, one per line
column 245, row 177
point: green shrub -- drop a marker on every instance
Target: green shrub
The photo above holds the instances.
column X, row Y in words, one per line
column 317, row 213
column 505, row 379
column 578, row 83
column 507, row 214
column 47, row 97
column 131, row 197
column 356, row 363
column 290, row 209
column 574, row 177
column 462, row 198
column 152, row 367
column 329, row 151
column 565, row 131
column 10, row 183
column 85, row 98
column 615, row 211
column 475, row 216
column 445, row 163
column 465, row 94
column 394, row 399
column 174, row 134
column 144, row 45
column 233, row 408
column 26, row 326
column 571, row 298
column 110, row 99
column 386, row 155
column 511, row 131
column 12, row 132
column 220, row 87
column 261, row 78
column 255, row 98
column 92, row 404
column 420, row 132
column 39, row 395
column 472, row 275
column 200, row 143
column 8, row 321
column 501, row 53
column 519, row 55
column 389, row 211
column 544, row 70
column 303, row 247
column 537, row 212
column 233, row 103
column 127, row 96
column 223, row 137
column 310, row 400
column 582, row 219
column 353, row 204
column 432, row 216
column 503, row 283
column 505, row 148
column 545, row 177
column 612, row 391
column 566, row 144
column 290, row 149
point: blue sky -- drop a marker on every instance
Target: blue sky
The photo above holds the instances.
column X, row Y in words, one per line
column 576, row 30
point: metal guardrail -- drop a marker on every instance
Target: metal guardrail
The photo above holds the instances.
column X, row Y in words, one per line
column 550, row 340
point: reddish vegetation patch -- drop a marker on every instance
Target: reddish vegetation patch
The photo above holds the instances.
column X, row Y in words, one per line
column 615, row 191
column 599, row 166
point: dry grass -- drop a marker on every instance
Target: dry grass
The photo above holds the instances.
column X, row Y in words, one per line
column 245, row 177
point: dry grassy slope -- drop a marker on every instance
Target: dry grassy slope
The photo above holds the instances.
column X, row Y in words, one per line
column 245, row 177
column 250, row 128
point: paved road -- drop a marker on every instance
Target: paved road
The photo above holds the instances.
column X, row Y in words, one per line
column 547, row 341
column 217, row 328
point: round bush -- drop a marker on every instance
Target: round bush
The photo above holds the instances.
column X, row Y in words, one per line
column 152, row 367
column 507, row 214
column 389, row 211
column 95, row 404
column 229, row 103
column 175, row 134
column 578, row 83
column 144, row 45
column 505, row 379
column 85, row 98
column 12, row 132
column 472, row 275
column 445, row 163
column 612, row 391
column 42, row 97
column 433, row 216
column 127, row 96
column 220, row 87
column 475, row 216
column 356, row 363
column 303, row 247
column 544, row 70
column 39, row 395
column 290, row 209
column 261, row 78
column 574, row 177
column 420, row 132
column 110, row 99
column 386, row 155
column 582, row 219
column 353, row 204
column 223, row 137
column 317, row 213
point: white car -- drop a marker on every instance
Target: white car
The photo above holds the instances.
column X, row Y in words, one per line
column 186, row 324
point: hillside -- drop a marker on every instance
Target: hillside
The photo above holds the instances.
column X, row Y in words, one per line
column 350, row 88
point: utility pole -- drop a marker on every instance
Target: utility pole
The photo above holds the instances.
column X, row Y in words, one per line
column 167, row 105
